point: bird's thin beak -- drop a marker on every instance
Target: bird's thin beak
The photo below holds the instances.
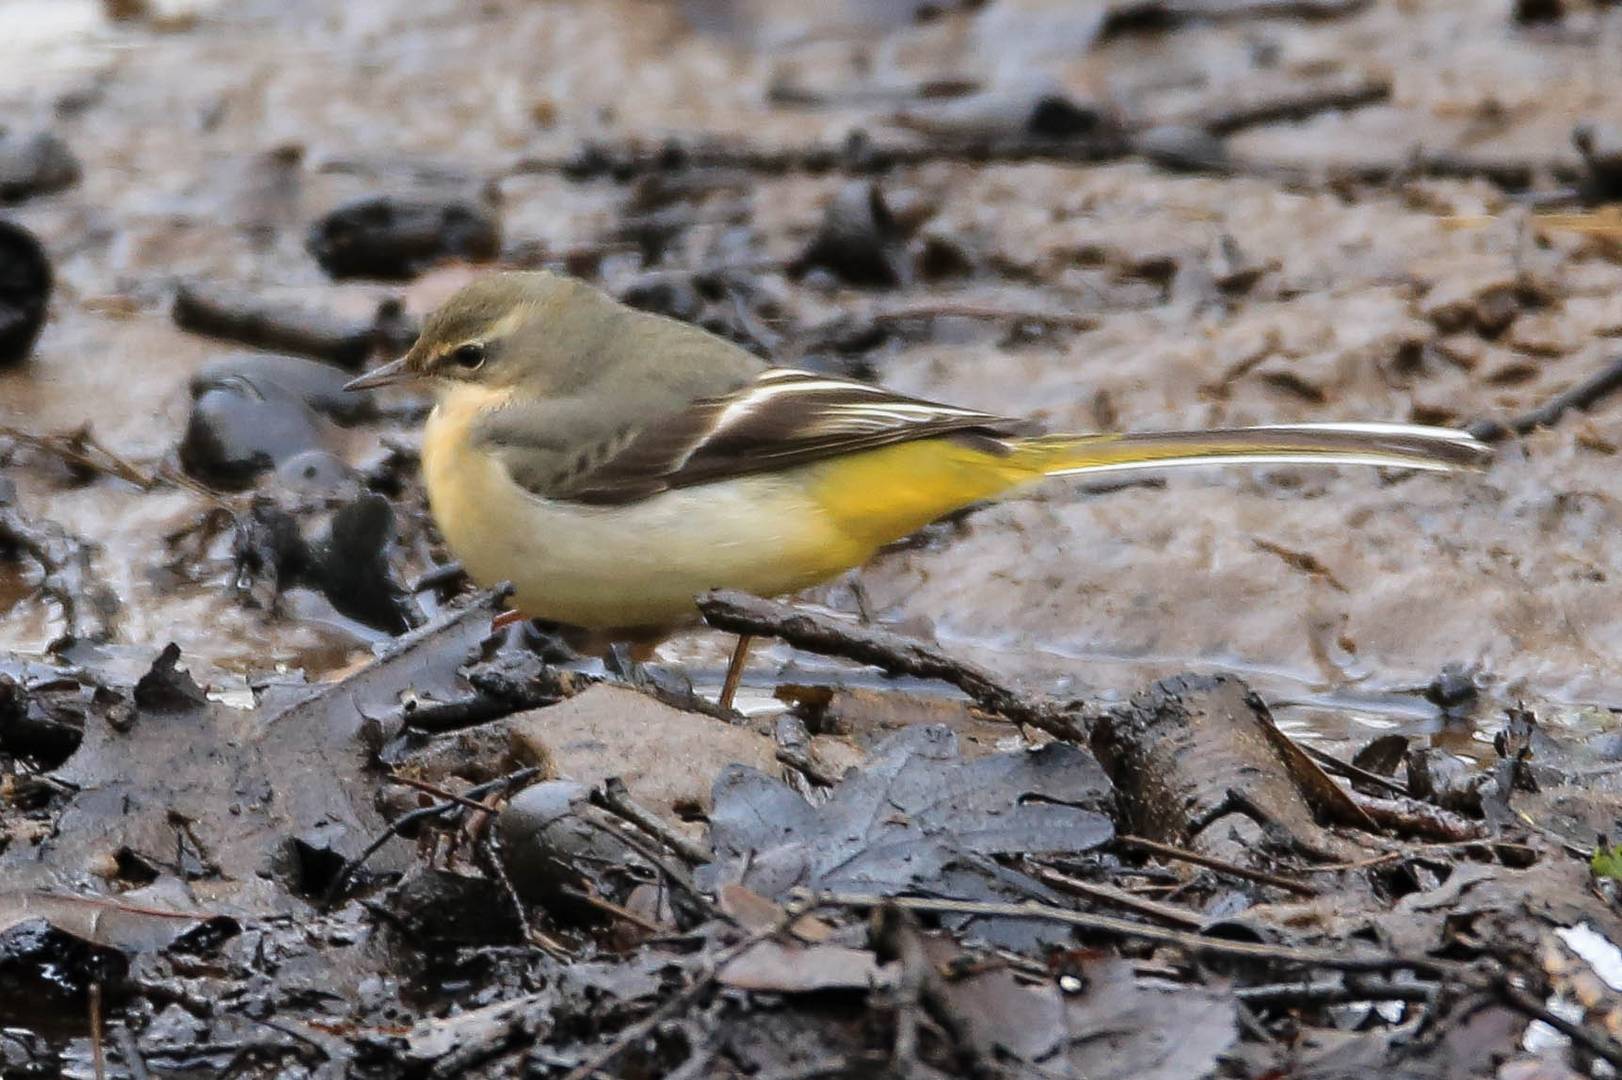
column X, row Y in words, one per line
column 395, row 371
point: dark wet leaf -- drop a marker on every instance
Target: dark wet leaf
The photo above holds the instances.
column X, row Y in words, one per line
column 110, row 924
column 791, row 968
column 1124, row 1027
column 1119, row 1026
column 905, row 820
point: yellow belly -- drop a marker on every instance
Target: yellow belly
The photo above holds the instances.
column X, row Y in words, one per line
column 639, row 564
column 642, row 563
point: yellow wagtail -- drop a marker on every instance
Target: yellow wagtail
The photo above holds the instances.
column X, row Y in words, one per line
column 613, row 464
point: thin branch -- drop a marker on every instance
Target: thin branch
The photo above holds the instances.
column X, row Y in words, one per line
column 1120, row 898
column 645, row 1026
column 740, row 613
column 405, row 822
column 614, row 797
column 1300, row 888
column 1195, row 944
column 1580, row 398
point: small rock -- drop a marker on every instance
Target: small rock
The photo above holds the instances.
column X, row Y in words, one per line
column 317, row 472
column 1539, row 11
column 228, row 313
column 555, row 845
column 25, row 289
column 859, row 239
column 166, row 688
column 1485, row 302
column 1441, row 778
column 1601, row 150
column 665, row 292
column 1183, row 148
column 35, row 164
column 397, row 237
column 1453, row 686
column 1034, row 108
column 238, row 430
column 319, row 386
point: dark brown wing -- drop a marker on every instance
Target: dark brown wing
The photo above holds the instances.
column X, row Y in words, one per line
column 783, row 418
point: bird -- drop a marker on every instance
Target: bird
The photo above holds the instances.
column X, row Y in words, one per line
column 613, row 464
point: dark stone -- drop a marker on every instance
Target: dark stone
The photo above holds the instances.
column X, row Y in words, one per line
column 1183, row 148
column 239, row 430
column 397, row 237
column 318, row 385
column 31, row 729
column 1452, row 688
column 317, row 472
column 314, row 859
column 25, row 289
column 665, row 292
column 165, row 688
column 1601, row 150
column 235, row 315
column 1054, row 116
column 35, row 164
column 556, row 846
column 1539, row 11
column 859, row 239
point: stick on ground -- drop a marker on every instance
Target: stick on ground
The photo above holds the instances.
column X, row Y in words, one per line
column 740, row 613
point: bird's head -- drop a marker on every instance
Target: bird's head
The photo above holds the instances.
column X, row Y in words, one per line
column 493, row 332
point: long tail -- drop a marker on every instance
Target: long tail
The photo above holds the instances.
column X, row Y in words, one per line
column 1405, row 446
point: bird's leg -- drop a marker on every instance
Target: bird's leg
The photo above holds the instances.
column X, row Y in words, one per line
column 740, row 656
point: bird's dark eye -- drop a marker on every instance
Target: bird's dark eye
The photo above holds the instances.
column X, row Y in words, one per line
column 469, row 357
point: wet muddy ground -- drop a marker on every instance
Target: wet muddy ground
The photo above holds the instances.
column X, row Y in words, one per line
column 1107, row 216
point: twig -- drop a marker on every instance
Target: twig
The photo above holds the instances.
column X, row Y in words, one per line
column 436, row 576
column 1333, row 764
column 1107, row 894
column 1195, row 944
column 614, row 797
column 1336, row 991
column 1300, row 888
column 1582, row 397
column 608, row 907
column 965, row 309
column 1336, row 94
column 81, row 449
column 678, row 876
column 98, row 1052
column 405, row 822
column 675, row 1004
column 741, row 613
column 1410, row 817
column 67, row 576
column 626, row 161
column 439, row 792
column 1524, row 1003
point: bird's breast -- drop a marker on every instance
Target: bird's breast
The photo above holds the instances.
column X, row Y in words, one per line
column 631, row 564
